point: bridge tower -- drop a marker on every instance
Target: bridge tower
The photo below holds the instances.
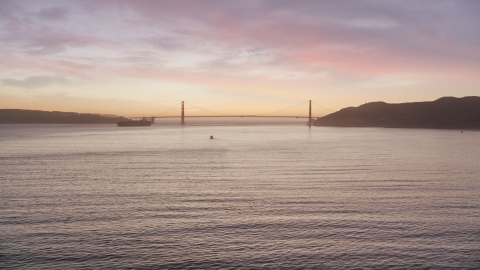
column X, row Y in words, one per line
column 310, row 114
column 183, row 114
column 152, row 120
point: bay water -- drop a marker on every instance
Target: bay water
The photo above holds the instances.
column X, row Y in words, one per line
column 257, row 196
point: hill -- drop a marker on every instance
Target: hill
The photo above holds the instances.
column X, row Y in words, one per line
column 443, row 113
column 16, row 116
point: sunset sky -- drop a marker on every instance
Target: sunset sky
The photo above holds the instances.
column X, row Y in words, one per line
column 141, row 57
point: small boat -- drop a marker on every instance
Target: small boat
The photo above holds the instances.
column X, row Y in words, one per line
column 134, row 123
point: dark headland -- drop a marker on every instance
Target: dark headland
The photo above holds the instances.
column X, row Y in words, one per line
column 443, row 113
column 17, row 116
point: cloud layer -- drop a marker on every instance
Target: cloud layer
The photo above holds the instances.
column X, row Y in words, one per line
column 342, row 52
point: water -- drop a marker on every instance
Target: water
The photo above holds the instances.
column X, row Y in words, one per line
column 255, row 197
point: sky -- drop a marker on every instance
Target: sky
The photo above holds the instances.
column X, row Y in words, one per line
column 141, row 57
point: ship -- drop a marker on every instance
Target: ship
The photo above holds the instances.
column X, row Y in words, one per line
column 134, row 123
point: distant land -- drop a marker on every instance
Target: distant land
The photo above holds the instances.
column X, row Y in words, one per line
column 17, row 116
column 443, row 113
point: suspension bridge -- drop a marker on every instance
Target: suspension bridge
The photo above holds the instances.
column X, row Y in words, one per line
column 182, row 115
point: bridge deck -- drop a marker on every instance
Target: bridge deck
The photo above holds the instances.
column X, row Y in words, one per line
column 237, row 116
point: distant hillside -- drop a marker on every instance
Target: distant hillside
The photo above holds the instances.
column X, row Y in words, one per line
column 443, row 113
column 15, row 116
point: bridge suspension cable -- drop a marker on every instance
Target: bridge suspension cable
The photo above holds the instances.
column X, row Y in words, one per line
column 281, row 110
column 260, row 114
column 208, row 110
column 168, row 109
column 322, row 106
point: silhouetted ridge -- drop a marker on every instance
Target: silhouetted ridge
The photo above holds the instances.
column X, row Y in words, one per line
column 445, row 112
column 16, row 116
